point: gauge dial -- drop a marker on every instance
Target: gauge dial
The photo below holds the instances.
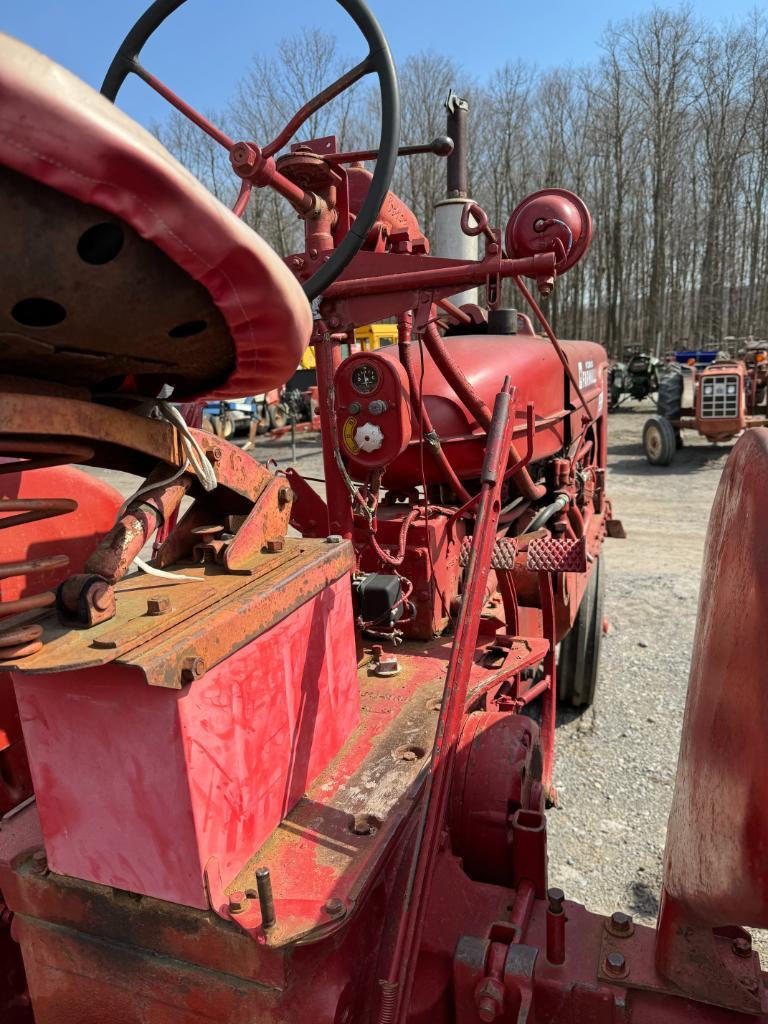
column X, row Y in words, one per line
column 365, row 378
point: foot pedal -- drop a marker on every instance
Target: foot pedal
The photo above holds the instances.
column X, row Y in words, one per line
column 615, row 528
column 503, row 556
column 550, row 554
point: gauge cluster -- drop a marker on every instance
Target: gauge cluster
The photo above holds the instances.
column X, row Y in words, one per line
column 372, row 408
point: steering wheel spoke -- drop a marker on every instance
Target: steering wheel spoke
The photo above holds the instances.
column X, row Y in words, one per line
column 256, row 166
column 323, row 98
column 182, row 106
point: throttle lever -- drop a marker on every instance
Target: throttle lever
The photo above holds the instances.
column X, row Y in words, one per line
column 440, row 146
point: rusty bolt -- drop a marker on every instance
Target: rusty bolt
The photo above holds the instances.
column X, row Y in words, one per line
column 39, row 862
column 334, row 907
column 376, row 652
column 214, row 454
column 555, row 897
column 489, row 998
column 284, row 495
column 158, row 605
column 275, row 544
column 742, row 946
column 334, row 538
column 621, row 924
column 616, row 965
column 192, row 668
column 238, row 902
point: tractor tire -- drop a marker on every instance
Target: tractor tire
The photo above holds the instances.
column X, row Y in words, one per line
column 659, row 441
column 278, row 416
column 669, row 398
column 579, row 658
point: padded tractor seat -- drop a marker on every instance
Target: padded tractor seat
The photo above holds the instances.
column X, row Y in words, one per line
column 117, row 261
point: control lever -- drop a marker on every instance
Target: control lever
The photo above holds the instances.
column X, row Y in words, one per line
column 441, row 146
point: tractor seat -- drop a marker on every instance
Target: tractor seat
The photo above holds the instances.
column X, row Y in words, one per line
column 118, row 263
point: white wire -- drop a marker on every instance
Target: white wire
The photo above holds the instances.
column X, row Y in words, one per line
column 196, row 460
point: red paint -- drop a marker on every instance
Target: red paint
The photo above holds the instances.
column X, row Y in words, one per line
column 145, row 789
column 536, row 373
column 61, row 133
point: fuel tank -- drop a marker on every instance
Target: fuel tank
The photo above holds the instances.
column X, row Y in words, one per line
column 538, row 377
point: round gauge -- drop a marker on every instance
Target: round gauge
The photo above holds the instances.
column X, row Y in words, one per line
column 365, row 378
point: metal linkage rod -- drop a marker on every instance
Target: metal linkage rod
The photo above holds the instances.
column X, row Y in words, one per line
column 396, row 988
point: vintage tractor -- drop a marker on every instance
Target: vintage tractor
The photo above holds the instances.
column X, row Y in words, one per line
column 637, row 378
column 729, row 396
column 281, row 775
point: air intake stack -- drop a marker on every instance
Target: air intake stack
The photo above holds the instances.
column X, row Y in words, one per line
column 450, row 240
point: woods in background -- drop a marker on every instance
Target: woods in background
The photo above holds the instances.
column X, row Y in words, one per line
column 665, row 138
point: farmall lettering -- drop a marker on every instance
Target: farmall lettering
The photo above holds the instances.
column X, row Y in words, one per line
column 282, row 776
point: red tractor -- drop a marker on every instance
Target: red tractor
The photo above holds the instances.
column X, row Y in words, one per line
column 729, row 396
column 282, row 776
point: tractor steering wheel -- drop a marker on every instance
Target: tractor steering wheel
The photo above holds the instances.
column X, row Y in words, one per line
column 379, row 60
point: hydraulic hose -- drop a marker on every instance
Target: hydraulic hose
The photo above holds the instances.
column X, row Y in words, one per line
column 547, row 512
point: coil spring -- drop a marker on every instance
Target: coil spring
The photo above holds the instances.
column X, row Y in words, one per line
column 19, row 634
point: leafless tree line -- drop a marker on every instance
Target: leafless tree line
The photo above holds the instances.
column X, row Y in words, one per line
column 665, row 137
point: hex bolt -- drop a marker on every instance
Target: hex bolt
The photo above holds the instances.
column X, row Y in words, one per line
column 284, row 495
column 386, row 665
column 238, row 902
column 158, row 605
column 742, row 946
column 621, row 924
column 555, row 897
column 275, row 544
column 266, row 899
column 39, row 862
column 214, row 454
column 192, row 668
column 334, row 538
column 615, row 965
column 334, row 907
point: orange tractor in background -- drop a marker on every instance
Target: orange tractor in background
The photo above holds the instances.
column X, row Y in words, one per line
column 729, row 396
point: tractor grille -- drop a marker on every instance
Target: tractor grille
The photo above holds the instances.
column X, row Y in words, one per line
column 720, row 396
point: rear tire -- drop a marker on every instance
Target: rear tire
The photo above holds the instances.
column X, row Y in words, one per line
column 659, row 441
column 579, row 659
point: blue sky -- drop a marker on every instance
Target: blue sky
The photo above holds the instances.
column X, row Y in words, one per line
column 207, row 44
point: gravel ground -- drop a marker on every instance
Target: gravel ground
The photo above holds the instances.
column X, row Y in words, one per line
column 615, row 764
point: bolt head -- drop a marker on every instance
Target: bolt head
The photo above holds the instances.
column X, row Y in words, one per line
column 39, row 862
column 238, row 902
column 192, row 668
column 275, row 545
column 742, row 946
column 284, row 495
column 244, row 156
column 158, row 605
column 621, row 924
column 334, row 538
column 334, row 907
column 555, row 897
column 387, row 665
column 615, row 964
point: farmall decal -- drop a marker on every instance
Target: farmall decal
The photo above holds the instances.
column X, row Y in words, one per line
column 587, row 373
